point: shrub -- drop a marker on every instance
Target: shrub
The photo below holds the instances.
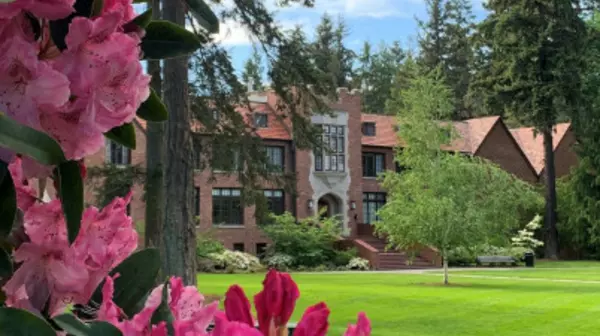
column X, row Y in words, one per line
column 343, row 257
column 206, row 244
column 235, row 261
column 461, row 256
column 311, row 242
column 358, row 264
column 280, row 261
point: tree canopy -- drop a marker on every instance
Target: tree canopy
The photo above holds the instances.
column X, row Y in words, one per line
column 445, row 199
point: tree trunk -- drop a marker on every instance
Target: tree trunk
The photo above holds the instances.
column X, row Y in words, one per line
column 155, row 151
column 551, row 242
column 179, row 236
column 445, row 262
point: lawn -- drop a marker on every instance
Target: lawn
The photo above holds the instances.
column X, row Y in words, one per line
column 408, row 304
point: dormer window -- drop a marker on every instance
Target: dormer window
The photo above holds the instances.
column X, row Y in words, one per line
column 261, row 120
column 368, row 128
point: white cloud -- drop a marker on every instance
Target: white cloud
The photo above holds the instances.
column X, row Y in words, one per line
column 233, row 33
column 359, row 8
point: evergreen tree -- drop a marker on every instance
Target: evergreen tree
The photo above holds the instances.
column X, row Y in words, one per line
column 536, row 52
column 444, row 43
column 330, row 55
column 253, row 70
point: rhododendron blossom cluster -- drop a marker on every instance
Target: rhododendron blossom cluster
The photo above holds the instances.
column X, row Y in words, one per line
column 94, row 85
column 76, row 89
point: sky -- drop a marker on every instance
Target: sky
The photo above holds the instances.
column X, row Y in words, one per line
column 367, row 20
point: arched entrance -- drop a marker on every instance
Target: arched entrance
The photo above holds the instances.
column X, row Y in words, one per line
column 330, row 205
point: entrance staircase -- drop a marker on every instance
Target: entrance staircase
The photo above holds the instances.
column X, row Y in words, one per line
column 374, row 249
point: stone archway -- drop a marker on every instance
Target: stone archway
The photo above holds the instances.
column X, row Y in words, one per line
column 330, row 205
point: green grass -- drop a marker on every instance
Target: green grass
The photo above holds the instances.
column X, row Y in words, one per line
column 404, row 304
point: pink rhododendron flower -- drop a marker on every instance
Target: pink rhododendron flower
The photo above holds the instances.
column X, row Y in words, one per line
column 276, row 302
column 314, row 321
column 223, row 327
column 49, row 271
column 46, row 9
column 54, row 271
column 237, row 306
column 105, row 239
column 191, row 316
column 107, row 80
column 361, row 328
column 26, row 194
column 28, row 84
column 124, row 7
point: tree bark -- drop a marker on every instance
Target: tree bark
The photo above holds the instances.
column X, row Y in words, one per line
column 155, row 151
column 179, row 236
column 446, row 275
column 551, row 241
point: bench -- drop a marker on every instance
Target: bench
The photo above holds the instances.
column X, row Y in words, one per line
column 496, row 260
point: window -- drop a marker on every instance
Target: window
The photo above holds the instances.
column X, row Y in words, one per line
column 196, row 201
column 275, row 201
column 368, row 128
column 372, row 202
column 225, row 158
column 261, row 250
column 117, row 154
column 275, row 158
column 238, row 247
column 373, row 164
column 261, row 120
column 227, row 207
column 332, row 156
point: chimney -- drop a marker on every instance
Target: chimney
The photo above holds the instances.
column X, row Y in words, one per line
column 250, row 85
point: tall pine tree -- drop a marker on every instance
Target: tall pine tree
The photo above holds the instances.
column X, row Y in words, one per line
column 536, row 52
column 330, row 54
column 253, row 71
column 444, row 42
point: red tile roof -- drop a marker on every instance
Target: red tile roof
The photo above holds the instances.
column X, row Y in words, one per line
column 533, row 144
column 471, row 132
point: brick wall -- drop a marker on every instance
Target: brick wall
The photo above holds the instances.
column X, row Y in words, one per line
column 565, row 157
column 501, row 148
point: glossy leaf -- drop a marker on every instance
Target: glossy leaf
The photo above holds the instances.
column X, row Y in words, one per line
column 137, row 277
column 124, row 135
column 27, row 141
column 153, row 109
column 204, row 15
column 71, row 195
column 18, row 322
column 163, row 312
column 143, row 20
column 8, row 200
column 165, row 39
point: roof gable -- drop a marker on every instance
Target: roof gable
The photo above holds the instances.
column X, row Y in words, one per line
column 532, row 144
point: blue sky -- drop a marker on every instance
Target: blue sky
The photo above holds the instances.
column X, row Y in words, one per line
column 367, row 20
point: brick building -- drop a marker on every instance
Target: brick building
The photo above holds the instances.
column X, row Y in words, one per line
column 343, row 182
column 563, row 141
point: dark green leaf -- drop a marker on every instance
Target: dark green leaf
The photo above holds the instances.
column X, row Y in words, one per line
column 17, row 322
column 137, row 277
column 204, row 15
column 153, row 109
column 124, row 135
column 27, row 141
column 141, row 21
column 97, row 6
column 75, row 327
column 6, row 266
column 165, row 39
column 71, row 195
column 163, row 312
column 8, row 201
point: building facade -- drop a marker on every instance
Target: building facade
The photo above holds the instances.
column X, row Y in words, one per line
column 341, row 182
